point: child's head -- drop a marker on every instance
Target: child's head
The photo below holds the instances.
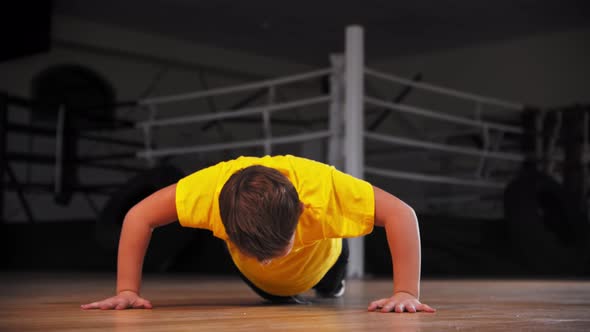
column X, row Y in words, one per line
column 259, row 208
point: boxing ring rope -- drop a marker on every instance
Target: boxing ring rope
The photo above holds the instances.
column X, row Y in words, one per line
column 443, row 117
column 446, row 91
column 485, row 126
column 432, row 178
column 233, row 114
column 245, row 144
column 484, row 154
column 265, row 112
column 237, row 88
column 444, row 147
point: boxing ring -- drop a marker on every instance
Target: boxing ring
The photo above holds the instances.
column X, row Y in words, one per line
column 345, row 135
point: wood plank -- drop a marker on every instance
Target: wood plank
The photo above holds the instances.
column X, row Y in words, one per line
column 50, row 302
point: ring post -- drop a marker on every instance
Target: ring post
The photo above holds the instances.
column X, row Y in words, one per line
column 335, row 145
column 353, row 128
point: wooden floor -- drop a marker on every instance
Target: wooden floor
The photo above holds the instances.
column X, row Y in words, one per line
column 50, row 302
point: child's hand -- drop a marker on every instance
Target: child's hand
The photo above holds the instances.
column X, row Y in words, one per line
column 125, row 300
column 400, row 302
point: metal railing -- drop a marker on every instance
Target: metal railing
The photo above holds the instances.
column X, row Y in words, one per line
column 265, row 112
column 490, row 150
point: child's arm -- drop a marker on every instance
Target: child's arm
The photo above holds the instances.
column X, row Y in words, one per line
column 156, row 210
column 403, row 238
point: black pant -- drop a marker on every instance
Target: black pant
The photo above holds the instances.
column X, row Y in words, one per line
column 328, row 285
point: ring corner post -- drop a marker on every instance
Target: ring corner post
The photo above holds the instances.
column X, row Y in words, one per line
column 354, row 127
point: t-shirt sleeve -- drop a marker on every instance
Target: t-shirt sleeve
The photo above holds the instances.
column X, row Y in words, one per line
column 338, row 204
column 351, row 211
column 195, row 197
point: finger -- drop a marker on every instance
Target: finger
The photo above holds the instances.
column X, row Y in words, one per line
column 400, row 307
column 122, row 305
column 377, row 304
column 388, row 307
column 106, row 305
column 425, row 308
column 142, row 304
column 410, row 308
column 93, row 305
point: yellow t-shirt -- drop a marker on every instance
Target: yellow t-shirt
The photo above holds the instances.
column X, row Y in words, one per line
column 337, row 205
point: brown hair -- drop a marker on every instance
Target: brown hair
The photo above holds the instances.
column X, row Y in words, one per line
column 259, row 208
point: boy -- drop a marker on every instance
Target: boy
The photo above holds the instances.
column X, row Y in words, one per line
column 283, row 219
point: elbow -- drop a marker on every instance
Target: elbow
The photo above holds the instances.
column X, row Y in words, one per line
column 412, row 218
column 390, row 210
column 140, row 216
column 136, row 217
column 405, row 216
column 131, row 214
column 407, row 210
column 412, row 212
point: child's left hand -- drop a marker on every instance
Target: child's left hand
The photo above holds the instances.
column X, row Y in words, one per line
column 400, row 302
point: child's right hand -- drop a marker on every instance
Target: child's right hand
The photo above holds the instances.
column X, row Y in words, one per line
column 125, row 300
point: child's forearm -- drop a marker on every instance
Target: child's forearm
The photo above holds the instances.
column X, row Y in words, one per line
column 403, row 238
column 135, row 237
column 156, row 210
